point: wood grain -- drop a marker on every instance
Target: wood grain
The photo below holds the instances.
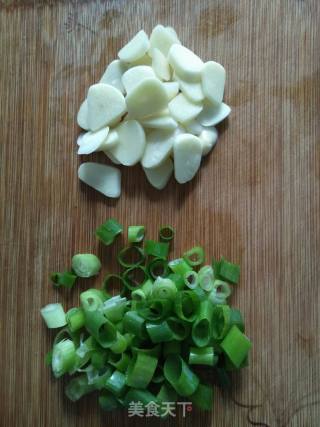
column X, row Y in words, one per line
column 255, row 200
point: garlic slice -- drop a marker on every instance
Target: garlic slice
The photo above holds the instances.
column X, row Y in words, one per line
column 93, row 141
column 163, row 38
column 213, row 81
column 158, row 148
column 106, row 105
column 208, row 138
column 147, row 98
column 136, row 48
column 212, row 114
column 136, row 75
column 186, row 64
column 82, row 116
column 113, row 74
column 172, row 89
column 130, row 148
column 160, row 65
column 159, row 176
column 183, row 110
column 103, row 178
column 187, row 151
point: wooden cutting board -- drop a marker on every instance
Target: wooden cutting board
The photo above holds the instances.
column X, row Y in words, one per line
column 255, row 199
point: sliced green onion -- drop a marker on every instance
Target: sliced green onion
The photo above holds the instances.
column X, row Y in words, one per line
column 114, row 308
column 158, row 267
column 54, row 315
column 134, row 277
column 119, row 361
column 177, row 280
column 92, row 299
column 86, row 265
column 201, row 294
column 202, row 356
column 166, row 233
column 157, row 309
column 179, row 328
column 135, row 233
column 75, row 319
column 203, row 397
column 116, row 383
column 131, row 256
column 206, row 277
column 237, row 319
column 229, row 272
column 164, row 288
column 138, row 395
column 201, row 329
column 236, row 346
column 135, row 324
column 143, row 292
column 158, row 376
column 180, row 376
column 187, row 305
column 140, row 370
column 221, row 320
column 120, row 345
column 171, row 347
column 101, row 328
column 63, row 357
column 179, row 266
column 220, row 292
column 194, row 256
column 191, row 279
column 157, row 249
column 98, row 378
column 65, row 333
column 78, row 387
column 98, row 359
column 113, row 281
column 152, row 351
column 108, row 231
column 159, row 332
column 66, row 279
column 108, row 402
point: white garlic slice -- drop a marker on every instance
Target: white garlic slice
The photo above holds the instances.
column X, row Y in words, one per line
column 183, row 110
column 136, row 48
column 212, row 114
column 213, row 81
column 103, row 178
column 187, row 152
column 159, row 176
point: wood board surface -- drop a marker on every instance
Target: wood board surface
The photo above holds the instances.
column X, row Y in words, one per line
column 255, row 200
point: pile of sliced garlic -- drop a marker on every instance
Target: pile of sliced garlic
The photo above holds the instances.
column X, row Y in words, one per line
column 157, row 104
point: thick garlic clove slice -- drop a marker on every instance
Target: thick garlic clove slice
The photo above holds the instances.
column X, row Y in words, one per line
column 183, row 110
column 208, row 138
column 163, row 38
column 136, row 75
column 113, row 74
column 213, row 81
column 103, row 178
column 106, row 105
column 130, row 148
column 93, row 141
column 159, row 176
column 187, row 152
column 158, row 148
column 212, row 114
column 186, row 64
column 136, row 48
column 147, row 98
column 82, row 116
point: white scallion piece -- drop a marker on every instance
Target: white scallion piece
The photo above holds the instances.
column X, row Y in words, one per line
column 54, row 315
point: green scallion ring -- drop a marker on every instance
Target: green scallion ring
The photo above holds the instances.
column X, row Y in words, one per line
column 194, row 256
column 180, row 376
column 135, row 277
column 158, row 267
column 131, row 256
column 166, row 233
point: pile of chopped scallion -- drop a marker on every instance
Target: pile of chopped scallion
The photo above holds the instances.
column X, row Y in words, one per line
column 153, row 341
